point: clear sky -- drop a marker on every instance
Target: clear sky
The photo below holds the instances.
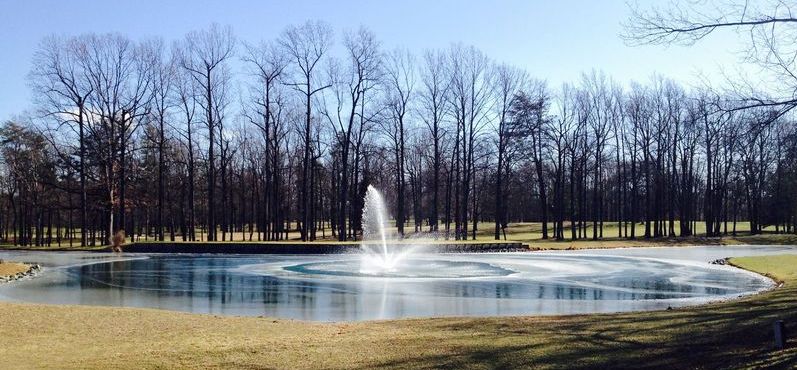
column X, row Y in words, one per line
column 552, row 40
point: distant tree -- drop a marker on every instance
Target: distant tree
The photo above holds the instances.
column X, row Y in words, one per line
column 204, row 54
column 469, row 95
column 560, row 133
column 162, row 102
column 30, row 168
column 433, row 104
column 267, row 63
column 62, row 91
column 120, row 73
column 529, row 111
column 509, row 81
column 400, row 85
column 306, row 45
column 186, row 95
column 360, row 70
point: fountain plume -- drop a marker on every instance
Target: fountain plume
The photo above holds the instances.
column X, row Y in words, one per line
column 377, row 253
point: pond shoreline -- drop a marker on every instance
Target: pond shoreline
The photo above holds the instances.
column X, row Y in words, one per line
column 327, row 246
column 308, row 248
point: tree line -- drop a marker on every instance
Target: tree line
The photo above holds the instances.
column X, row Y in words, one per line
column 213, row 138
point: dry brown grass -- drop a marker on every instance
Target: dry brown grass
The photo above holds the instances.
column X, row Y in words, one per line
column 12, row 268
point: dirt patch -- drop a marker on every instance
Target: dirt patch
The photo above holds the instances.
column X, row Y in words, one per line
column 10, row 271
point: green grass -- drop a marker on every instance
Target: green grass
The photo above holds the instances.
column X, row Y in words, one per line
column 735, row 334
column 527, row 233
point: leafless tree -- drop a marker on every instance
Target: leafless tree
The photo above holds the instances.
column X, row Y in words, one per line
column 307, row 44
column 432, row 99
column 62, row 91
column 121, row 76
column 468, row 107
column 162, row 103
column 400, row 85
column 769, row 24
column 205, row 54
column 267, row 63
column 360, row 71
column 508, row 82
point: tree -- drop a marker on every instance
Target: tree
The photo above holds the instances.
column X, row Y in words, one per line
column 468, row 98
column 162, row 102
column 306, row 44
column 433, row 102
column 558, row 133
column 361, row 70
column 399, row 85
column 62, row 92
column 120, row 73
column 508, row 82
column 204, row 55
column 267, row 62
column 769, row 24
column 185, row 91
column 30, row 167
column 529, row 111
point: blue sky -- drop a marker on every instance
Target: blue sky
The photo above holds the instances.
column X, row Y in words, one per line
column 552, row 40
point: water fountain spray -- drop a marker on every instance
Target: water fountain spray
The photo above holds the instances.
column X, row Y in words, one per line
column 375, row 228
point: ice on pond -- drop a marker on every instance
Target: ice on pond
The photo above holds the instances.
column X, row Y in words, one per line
column 334, row 288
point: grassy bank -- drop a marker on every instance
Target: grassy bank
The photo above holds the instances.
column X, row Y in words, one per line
column 523, row 232
column 762, row 239
column 526, row 233
column 731, row 335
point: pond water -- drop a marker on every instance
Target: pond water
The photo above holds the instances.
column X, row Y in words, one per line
column 340, row 288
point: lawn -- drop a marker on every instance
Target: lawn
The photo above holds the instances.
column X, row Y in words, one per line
column 527, row 233
column 735, row 334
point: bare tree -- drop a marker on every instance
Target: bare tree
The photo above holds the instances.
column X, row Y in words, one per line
column 769, row 24
column 598, row 91
column 433, row 102
column 400, row 83
column 162, row 102
column 120, row 72
column 204, row 55
column 59, row 82
column 529, row 111
column 560, row 133
column 468, row 101
column 361, row 70
column 185, row 96
column 307, row 44
column 267, row 63
column 508, row 82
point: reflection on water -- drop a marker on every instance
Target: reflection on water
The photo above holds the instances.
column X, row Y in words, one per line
column 273, row 285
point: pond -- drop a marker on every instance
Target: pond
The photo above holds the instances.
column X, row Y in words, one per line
column 341, row 287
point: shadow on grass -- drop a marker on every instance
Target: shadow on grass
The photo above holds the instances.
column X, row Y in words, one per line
column 729, row 335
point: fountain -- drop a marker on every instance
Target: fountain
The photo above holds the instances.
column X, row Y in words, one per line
column 377, row 256
column 382, row 256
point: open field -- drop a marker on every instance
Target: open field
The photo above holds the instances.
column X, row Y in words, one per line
column 529, row 234
column 734, row 334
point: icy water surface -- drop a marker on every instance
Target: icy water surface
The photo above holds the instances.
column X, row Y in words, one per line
column 339, row 287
